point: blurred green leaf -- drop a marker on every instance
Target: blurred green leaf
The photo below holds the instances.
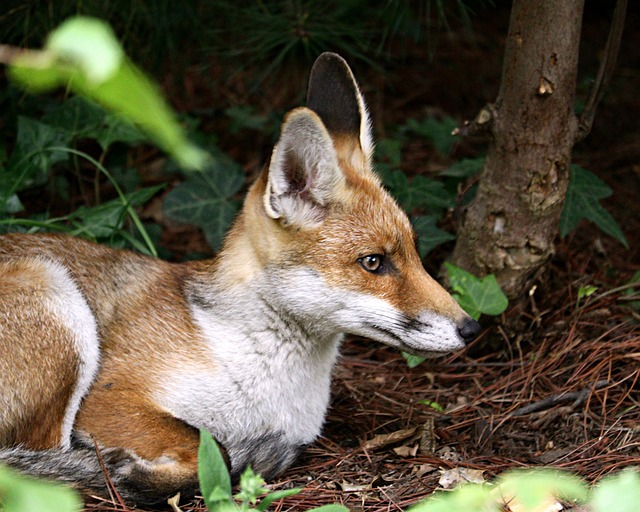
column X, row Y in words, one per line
column 534, row 488
column 333, row 507
column 619, row 493
column 466, row 498
column 24, row 494
column 84, row 55
column 584, row 191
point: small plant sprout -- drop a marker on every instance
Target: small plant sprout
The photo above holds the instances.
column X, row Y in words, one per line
column 584, row 292
column 215, row 484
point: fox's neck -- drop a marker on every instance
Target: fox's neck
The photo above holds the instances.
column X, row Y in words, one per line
column 278, row 365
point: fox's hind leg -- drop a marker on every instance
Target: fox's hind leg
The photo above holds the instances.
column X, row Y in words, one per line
column 49, row 353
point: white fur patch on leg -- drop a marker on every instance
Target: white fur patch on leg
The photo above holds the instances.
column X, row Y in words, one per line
column 66, row 302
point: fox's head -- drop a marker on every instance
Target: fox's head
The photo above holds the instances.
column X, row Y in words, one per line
column 339, row 252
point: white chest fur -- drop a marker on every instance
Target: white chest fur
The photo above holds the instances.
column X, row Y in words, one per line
column 265, row 390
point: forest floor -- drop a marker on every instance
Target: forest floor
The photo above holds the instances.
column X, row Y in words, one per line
column 552, row 382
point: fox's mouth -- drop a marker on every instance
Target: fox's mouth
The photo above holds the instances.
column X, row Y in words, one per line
column 412, row 326
column 421, row 352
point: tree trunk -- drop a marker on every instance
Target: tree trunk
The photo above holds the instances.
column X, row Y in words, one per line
column 509, row 228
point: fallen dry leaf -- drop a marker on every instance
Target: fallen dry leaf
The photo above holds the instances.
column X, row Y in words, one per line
column 382, row 440
column 451, row 478
column 406, row 451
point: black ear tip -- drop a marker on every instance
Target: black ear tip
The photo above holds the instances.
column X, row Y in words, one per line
column 333, row 94
column 469, row 329
column 327, row 61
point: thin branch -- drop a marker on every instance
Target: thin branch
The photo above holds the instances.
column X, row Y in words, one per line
column 481, row 125
column 605, row 71
column 577, row 397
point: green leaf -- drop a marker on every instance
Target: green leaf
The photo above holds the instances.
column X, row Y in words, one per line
column 330, row 508
column 204, row 200
column 90, row 44
column 429, row 234
column 434, row 405
column 438, row 131
column 413, row 361
column 634, row 290
column 83, row 118
column 84, row 55
column 586, row 291
column 476, row 295
column 533, row 488
column 104, row 220
column 77, row 116
column 119, row 129
column 33, row 156
column 213, row 474
column 22, row 494
column 464, row 168
column 251, row 487
column 466, row 498
column 244, row 117
column 275, row 496
column 619, row 493
column 389, row 151
column 421, row 192
column 584, row 191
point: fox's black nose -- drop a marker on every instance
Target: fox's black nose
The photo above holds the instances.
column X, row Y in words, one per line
column 469, row 329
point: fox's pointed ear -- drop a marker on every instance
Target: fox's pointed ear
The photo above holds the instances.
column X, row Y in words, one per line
column 304, row 175
column 335, row 96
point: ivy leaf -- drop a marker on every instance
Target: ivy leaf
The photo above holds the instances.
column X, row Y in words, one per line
column 421, row 192
column 437, row 131
column 83, row 118
column 205, row 200
column 79, row 117
column 464, row 168
column 584, row 191
column 31, row 159
column 476, row 295
column 104, row 220
column 429, row 234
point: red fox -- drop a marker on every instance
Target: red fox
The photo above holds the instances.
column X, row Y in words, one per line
column 107, row 351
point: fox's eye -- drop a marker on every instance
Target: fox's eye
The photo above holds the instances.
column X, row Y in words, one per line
column 373, row 263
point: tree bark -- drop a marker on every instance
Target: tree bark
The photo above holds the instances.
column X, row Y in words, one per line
column 509, row 228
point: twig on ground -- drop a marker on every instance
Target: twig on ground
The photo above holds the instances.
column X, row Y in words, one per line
column 579, row 397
